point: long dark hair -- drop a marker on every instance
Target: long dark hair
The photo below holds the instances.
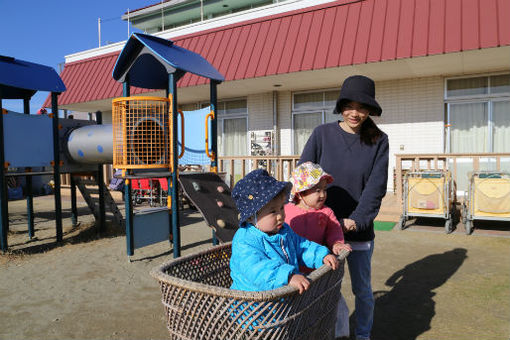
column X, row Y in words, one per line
column 369, row 132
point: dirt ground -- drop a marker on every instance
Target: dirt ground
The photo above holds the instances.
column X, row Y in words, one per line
column 427, row 284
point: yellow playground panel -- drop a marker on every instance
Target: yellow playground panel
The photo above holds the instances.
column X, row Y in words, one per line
column 142, row 133
column 488, row 198
column 428, row 194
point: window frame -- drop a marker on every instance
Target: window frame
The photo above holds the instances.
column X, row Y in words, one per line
column 320, row 109
column 221, row 117
column 488, row 98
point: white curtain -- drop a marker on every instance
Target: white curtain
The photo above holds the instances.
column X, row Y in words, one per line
column 501, row 120
column 234, row 135
column 468, row 131
column 304, row 124
column 234, row 143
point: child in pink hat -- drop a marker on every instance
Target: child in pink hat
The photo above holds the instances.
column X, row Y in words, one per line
column 310, row 218
column 307, row 214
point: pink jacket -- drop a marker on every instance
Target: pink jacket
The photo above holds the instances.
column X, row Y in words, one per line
column 318, row 225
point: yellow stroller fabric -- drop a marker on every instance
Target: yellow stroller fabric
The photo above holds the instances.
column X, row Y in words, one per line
column 491, row 197
column 426, row 195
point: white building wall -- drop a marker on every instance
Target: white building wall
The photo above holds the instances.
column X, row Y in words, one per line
column 413, row 116
column 260, row 111
column 260, row 114
column 285, row 122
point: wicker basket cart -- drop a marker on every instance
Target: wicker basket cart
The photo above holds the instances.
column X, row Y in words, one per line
column 428, row 194
column 488, row 198
column 199, row 304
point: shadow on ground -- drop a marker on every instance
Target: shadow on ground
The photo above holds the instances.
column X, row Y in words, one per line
column 406, row 311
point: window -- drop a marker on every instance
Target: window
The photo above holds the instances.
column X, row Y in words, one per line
column 232, row 127
column 310, row 109
column 478, row 120
column 478, row 114
column 188, row 107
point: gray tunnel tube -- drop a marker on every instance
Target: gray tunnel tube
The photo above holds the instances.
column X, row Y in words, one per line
column 91, row 144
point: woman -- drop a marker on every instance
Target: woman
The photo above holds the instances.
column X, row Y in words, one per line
column 355, row 152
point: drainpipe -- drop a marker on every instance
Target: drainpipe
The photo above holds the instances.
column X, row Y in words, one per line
column 276, row 144
column 99, row 30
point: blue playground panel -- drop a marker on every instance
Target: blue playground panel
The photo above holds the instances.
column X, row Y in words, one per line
column 151, row 226
column 28, row 140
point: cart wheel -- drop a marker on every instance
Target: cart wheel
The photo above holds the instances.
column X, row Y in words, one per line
column 453, row 213
column 402, row 223
column 464, row 213
column 469, row 227
column 448, row 226
column 137, row 199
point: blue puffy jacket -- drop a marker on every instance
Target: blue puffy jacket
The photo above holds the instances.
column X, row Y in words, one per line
column 262, row 262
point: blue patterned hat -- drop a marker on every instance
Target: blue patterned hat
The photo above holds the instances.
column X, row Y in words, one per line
column 254, row 191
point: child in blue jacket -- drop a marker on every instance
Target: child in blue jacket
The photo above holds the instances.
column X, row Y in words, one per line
column 266, row 253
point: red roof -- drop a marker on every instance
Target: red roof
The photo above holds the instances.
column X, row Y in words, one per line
column 329, row 35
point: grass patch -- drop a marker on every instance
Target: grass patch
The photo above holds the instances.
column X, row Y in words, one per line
column 385, row 226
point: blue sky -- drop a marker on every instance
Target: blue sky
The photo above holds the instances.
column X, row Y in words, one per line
column 44, row 32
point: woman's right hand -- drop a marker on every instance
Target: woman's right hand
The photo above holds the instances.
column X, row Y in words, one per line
column 300, row 282
column 349, row 225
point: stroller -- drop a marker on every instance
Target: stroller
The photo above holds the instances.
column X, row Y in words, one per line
column 488, row 198
column 428, row 194
column 145, row 189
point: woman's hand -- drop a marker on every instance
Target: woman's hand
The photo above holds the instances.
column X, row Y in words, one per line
column 300, row 282
column 338, row 247
column 331, row 260
column 349, row 225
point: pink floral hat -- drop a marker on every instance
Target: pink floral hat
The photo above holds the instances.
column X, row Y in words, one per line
column 306, row 176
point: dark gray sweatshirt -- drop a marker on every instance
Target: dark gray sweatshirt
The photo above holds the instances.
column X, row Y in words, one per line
column 360, row 173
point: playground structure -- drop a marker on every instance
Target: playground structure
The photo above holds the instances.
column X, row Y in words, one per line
column 42, row 145
column 142, row 141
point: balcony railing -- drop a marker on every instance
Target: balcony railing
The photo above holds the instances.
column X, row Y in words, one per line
column 236, row 167
column 460, row 165
column 280, row 167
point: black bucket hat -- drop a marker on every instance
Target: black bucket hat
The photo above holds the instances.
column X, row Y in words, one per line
column 360, row 89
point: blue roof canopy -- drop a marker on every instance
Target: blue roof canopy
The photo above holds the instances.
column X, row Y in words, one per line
column 22, row 79
column 148, row 60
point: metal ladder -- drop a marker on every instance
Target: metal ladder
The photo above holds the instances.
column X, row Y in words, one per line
column 90, row 192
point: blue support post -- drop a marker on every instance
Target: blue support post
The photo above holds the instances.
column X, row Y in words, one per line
column 100, row 183
column 30, row 206
column 74, row 208
column 128, row 203
column 28, row 186
column 214, row 138
column 56, row 166
column 4, row 211
column 176, row 232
